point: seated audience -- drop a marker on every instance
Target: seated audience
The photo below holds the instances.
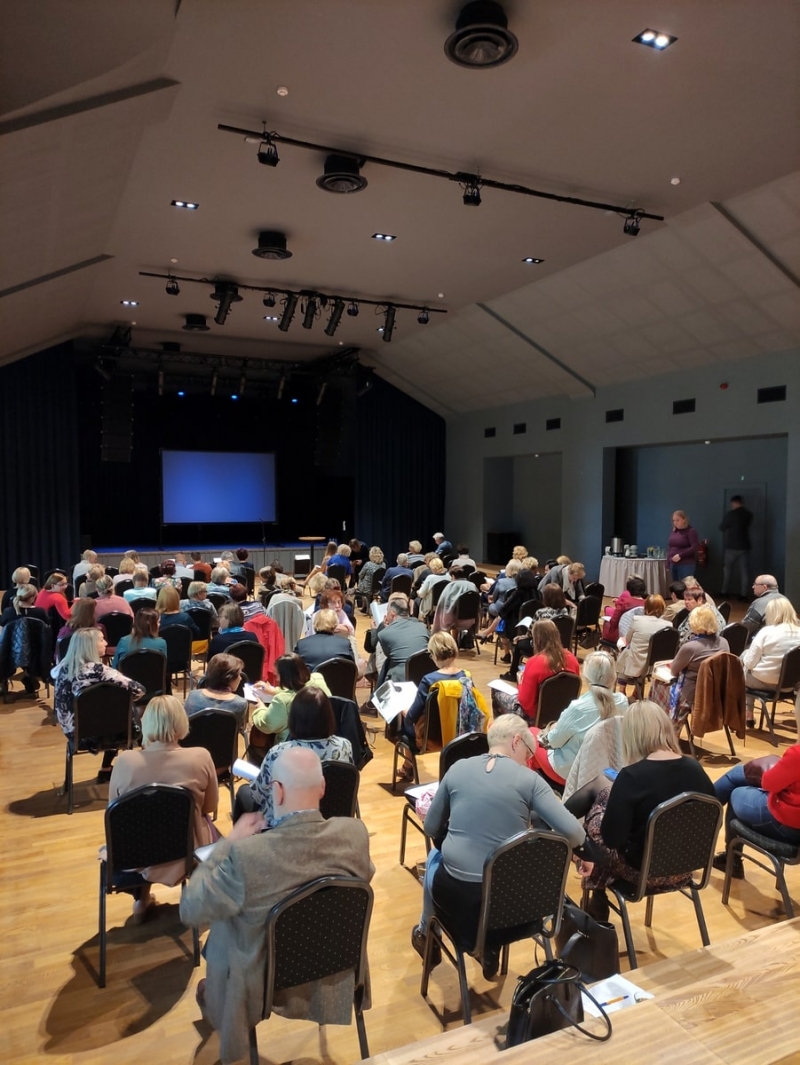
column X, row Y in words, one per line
column 23, row 605
column 54, row 594
column 503, row 586
column 549, row 658
column 168, row 578
column 88, row 558
column 81, row 616
column 675, row 603
column 436, row 576
column 331, row 597
column 632, row 659
column 220, row 581
column 463, row 558
column 169, row 610
column 421, row 572
column 107, row 602
column 231, row 630
column 693, row 598
column 555, row 606
column 401, row 569
column 141, row 586
column 199, row 566
column 330, row 551
column 127, row 568
column 414, row 553
column 400, row 636
column 163, row 761
column 765, row 587
column 325, row 643
column 143, row 636
column 366, row 573
column 342, row 558
column 703, row 642
column 633, row 596
column 527, row 588
column 89, row 586
column 443, row 545
column 570, row 576
column 293, row 676
column 197, row 599
column 444, row 652
column 249, row 607
column 217, row 689
column 19, row 578
column 763, row 659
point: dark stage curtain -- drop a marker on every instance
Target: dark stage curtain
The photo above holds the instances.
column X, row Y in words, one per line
column 39, row 462
column 400, row 470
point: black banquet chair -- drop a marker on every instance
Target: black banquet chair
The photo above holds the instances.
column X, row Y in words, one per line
column 218, row 731
column 338, row 573
column 524, row 880
column 786, row 688
column 587, row 617
column 468, row 616
column 149, row 667
column 341, row 790
column 737, row 636
column 662, row 647
column 103, row 722
column 339, row 909
column 419, row 665
column 151, row 825
column 116, row 625
column 565, row 623
column 341, row 675
column 179, row 652
column 252, row 654
column 555, row 695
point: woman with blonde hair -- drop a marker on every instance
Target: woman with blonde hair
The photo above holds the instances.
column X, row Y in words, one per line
column 168, row 606
column 93, row 575
column 444, row 652
column 322, row 568
column 632, row 659
column 163, row 761
column 557, row 746
column 703, row 642
column 654, row 771
column 763, row 659
column 107, row 601
column 436, row 576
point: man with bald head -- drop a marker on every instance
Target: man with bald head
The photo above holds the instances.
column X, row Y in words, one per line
column 765, row 588
column 249, row 872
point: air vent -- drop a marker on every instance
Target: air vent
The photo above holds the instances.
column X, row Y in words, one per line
column 490, row 432
column 520, row 428
column 772, row 395
column 683, row 406
column 552, row 423
column 272, row 245
column 615, row 415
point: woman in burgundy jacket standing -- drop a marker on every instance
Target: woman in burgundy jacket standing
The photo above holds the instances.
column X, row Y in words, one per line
column 682, row 547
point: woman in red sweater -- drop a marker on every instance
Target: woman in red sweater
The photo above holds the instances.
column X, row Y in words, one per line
column 772, row 809
column 549, row 658
column 54, row 594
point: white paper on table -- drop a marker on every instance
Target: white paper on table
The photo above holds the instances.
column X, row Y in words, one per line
column 605, row 991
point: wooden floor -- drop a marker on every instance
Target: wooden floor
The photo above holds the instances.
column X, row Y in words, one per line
column 53, row 1011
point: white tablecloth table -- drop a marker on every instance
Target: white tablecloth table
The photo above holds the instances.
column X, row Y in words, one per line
column 614, row 573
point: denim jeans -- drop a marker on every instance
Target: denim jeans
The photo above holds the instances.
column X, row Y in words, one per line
column 679, row 570
column 432, row 864
column 749, row 805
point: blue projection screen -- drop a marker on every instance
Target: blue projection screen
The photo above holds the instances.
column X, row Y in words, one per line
column 217, row 487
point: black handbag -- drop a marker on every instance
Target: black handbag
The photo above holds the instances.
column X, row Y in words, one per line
column 548, row 999
column 591, row 946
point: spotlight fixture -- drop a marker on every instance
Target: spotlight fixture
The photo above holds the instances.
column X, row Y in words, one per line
column 335, row 318
column 267, row 153
column 289, row 307
column 472, row 190
column 388, row 237
column 310, row 313
column 531, row 259
column 352, row 309
column 129, row 303
column 195, row 323
column 423, row 317
column 481, row 37
column 271, row 318
column 225, row 294
column 342, row 174
column 187, row 204
column 654, row 39
column 632, row 224
column 388, row 328
column 172, row 288
column 269, row 299
column 272, row 245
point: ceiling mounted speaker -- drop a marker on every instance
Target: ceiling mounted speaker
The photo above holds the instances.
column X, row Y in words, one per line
column 196, row 323
column 342, row 174
column 482, row 37
column 272, row 245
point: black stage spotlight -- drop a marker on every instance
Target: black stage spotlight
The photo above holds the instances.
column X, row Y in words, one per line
column 423, row 317
column 172, row 287
column 225, row 294
column 267, row 153
column 632, row 224
column 310, row 312
column 269, row 299
column 388, row 327
column 352, row 309
column 481, row 37
column 335, row 318
column 472, row 191
column 342, row 174
column 289, row 307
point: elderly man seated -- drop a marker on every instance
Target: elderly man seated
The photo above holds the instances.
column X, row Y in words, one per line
column 402, row 569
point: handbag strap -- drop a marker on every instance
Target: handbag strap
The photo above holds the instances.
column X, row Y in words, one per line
column 585, row 1031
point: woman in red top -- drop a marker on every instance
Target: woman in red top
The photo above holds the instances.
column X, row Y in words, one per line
column 772, row 809
column 54, row 594
column 549, row 658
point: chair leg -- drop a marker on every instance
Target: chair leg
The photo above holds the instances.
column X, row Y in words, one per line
column 101, row 981
column 403, row 833
column 394, row 768
column 730, row 741
column 68, row 780
column 626, row 928
column 504, row 953
column 547, row 943
column 734, row 847
column 253, row 1047
column 701, row 918
column 648, row 912
column 463, row 985
column 363, row 1046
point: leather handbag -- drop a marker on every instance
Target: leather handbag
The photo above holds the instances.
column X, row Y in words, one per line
column 548, row 999
column 589, row 945
column 757, row 767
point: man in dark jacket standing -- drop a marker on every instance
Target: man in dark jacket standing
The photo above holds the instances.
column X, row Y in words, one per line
column 736, row 542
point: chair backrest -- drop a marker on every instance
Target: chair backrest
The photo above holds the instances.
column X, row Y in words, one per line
column 663, row 646
column 338, row 908
column 466, row 570
column 123, row 586
column 680, row 617
column 218, row 599
column 79, row 580
column 469, row 745
column 681, row 837
column 377, row 578
column 341, row 789
column 418, row 666
column 179, row 648
column 416, row 563
column 149, row 667
column 116, row 625
column 601, row 749
column 596, row 589
column 468, row 608
column 251, row 653
column 151, row 825
column 478, row 578
column 340, row 675
column 401, row 583
column 216, row 730
column 202, row 619
column 565, row 623
column 789, row 679
column 199, row 575
column 34, row 571
column 737, row 636
column 436, row 592
column 725, row 610
column 185, row 582
column 337, row 572
column 524, row 880
column 529, row 608
column 111, row 571
column 555, row 695
column 588, row 612
column 140, row 603
column 155, row 571
column 103, row 712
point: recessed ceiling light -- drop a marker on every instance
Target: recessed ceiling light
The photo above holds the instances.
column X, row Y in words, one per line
column 173, row 260
column 271, row 318
column 530, row 259
column 282, row 90
column 379, row 329
column 185, row 203
column 441, row 295
column 129, row 303
column 675, row 181
column 654, row 39
column 384, row 236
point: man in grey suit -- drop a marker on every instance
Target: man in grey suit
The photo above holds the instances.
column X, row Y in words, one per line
column 249, row 872
column 400, row 637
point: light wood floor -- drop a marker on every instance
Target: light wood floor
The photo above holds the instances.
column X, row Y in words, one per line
column 53, row 1011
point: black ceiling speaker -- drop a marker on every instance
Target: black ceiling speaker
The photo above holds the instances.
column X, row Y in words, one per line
column 196, row 323
column 342, row 174
column 272, row 245
column 482, row 37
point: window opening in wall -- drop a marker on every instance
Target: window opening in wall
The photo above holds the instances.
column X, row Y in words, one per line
column 520, row 427
column 683, row 406
column 552, row 423
column 490, row 432
column 615, row 415
column 772, row 395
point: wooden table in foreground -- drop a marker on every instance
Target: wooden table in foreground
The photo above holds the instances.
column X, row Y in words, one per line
column 732, row 1003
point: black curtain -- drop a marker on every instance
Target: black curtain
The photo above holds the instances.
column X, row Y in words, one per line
column 39, row 462
column 400, row 470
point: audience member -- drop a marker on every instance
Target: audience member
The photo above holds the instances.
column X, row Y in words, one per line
column 218, row 689
column 443, row 545
column 249, row 607
column 89, row 586
column 443, row 649
column 54, row 595
column 402, row 569
column 414, row 553
column 675, row 603
column 436, row 576
column 555, row 606
column 21, row 577
column 141, row 586
column 127, row 568
column 633, row 596
column 107, row 601
column 632, row 659
column 88, row 558
column 693, row 598
column 549, row 658
column 143, row 636
column 765, row 587
column 231, row 630
column 703, row 642
column 293, row 675
column 199, row 566
column 168, row 578
column 326, row 641
column 81, row 616
column 169, row 610
column 400, row 637
column 763, row 659
column 570, row 576
column 220, row 581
